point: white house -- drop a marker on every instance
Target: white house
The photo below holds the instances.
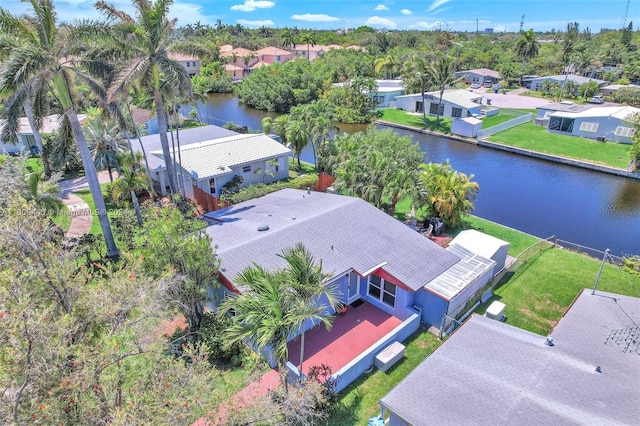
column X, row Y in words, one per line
column 210, row 164
column 479, row 76
column 456, row 103
column 601, row 123
column 535, row 83
column 25, row 139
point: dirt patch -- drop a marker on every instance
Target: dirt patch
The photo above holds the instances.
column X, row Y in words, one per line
column 168, row 327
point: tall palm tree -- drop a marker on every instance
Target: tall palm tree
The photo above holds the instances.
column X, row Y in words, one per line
column 145, row 44
column 450, row 193
column 298, row 136
column 308, row 38
column 267, row 124
column 386, row 66
column 309, row 286
column 51, row 64
column 288, row 39
column 131, row 179
column 279, row 127
column 106, row 143
column 416, row 76
column 442, row 72
column 527, row 47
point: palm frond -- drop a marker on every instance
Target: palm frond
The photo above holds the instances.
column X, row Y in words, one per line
column 175, row 76
column 128, row 73
column 26, row 63
column 112, row 13
column 11, row 113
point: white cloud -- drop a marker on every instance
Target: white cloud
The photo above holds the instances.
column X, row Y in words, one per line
column 500, row 29
column 315, row 17
column 482, row 21
column 257, row 23
column 406, row 12
column 376, row 21
column 251, row 5
column 436, row 4
column 423, row 25
column 381, row 7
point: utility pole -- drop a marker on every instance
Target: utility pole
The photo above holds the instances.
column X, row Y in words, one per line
column 476, row 27
column 521, row 22
column 604, row 258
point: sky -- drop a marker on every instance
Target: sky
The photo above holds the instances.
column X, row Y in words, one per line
column 456, row 15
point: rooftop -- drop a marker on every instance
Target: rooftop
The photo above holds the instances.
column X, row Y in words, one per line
column 345, row 232
column 270, row 50
column 49, row 124
column 562, row 77
column 481, row 71
column 494, row 373
column 619, row 112
column 216, row 157
column 459, row 97
column 566, row 107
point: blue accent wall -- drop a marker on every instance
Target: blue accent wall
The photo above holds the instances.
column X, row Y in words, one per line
column 433, row 307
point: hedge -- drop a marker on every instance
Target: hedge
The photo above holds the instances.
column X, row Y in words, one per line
column 256, row 191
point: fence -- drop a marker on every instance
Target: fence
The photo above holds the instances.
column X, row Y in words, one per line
column 504, row 126
column 207, row 201
column 589, row 251
column 324, row 182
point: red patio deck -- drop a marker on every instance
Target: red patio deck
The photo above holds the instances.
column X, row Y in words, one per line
column 352, row 333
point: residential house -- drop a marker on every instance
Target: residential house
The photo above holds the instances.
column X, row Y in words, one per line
column 225, row 48
column 535, row 83
column 189, row 62
column 456, row 103
column 612, row 89
column 313, row 51
column 151, row 143
column 270, row 55
column 244, row 60
column 600, row 123
column 25, row 141
column 237, row 72
column 488, row 372
column 387, row 91
column 210, row 164
column 382, row 268
column 479, row 76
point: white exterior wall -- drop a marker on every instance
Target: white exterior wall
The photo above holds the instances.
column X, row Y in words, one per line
column 408, row 103
column 457, row 303
column 17, row 148
column 606, row 127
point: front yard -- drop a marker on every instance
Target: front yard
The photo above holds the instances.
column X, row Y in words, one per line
column 536, row 138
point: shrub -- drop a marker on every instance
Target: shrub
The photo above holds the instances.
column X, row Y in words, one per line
column 211, row 337
column 261, row 189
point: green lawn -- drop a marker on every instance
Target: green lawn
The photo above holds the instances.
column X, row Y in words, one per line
column 416, row 120
column 112, row 209
column 536, row 138
column 307, row 168
column 33, row 164
column 359, row 401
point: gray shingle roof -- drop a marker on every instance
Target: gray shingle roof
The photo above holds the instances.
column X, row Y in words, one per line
column 216, row 157
column 489, row 372
column 345, row 232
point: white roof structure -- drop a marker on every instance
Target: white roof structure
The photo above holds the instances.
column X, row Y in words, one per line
column 459, row 97
column 216, row 157
column 49, row 124
column 479, row 242
column 619, row 112
column 471, row 120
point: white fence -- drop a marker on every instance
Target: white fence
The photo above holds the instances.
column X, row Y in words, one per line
column 504, row 126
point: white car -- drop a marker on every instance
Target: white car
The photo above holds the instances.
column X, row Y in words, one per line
column 475, row 86
column 597, row 99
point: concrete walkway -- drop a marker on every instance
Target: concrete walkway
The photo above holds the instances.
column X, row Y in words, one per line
column 81, row 214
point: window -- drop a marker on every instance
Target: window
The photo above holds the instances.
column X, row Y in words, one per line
column 562, row 124
column 626, row 132
column 382, row 290
column 586, row 126
column 277, row 58
column 188, row 64
column 212, row 186
column 456, row 112
column 433, row 108
column 193, row 64
column 246, row 169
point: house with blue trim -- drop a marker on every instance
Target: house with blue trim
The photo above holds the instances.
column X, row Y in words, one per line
column 371, row 256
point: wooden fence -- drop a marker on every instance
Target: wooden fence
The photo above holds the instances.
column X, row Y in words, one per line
column 324, row 182
column 208, row 202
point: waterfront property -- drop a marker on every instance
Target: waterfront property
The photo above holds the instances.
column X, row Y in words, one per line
column 210, row 164
column 600, row 123
column 387, row 91
column 479, row 76
column 494, row 373
column 190, row 63
column 455, row 103
column 376, row 262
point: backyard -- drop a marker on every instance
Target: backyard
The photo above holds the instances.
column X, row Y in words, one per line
column 416, row 120
column 536, row 138
column 536, row 298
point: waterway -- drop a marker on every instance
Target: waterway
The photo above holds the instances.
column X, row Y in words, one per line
column 538, row 197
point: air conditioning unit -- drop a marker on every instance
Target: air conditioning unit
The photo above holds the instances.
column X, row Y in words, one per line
column 496, row 311
column 601, row 138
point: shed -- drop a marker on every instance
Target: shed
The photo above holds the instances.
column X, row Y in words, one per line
column 468, row 126
column 484, row 245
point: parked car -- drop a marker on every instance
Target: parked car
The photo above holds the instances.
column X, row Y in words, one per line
column 475, row 86
column 597, row 99
column 488, row 83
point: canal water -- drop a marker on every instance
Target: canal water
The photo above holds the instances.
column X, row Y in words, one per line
column 588, row 208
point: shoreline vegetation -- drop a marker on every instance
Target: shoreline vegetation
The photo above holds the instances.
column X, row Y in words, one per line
column 531, row 138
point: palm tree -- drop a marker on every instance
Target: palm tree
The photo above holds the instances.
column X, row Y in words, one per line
column 279, row 127
column 386, row 66
column 145, row 43
column 50, row 65
column 451, row 194
column 308, row 39
column 131, row 179
column 288, row 41
column 309, row 286
column 267, row 125
column 298, row 136
column 416, row 77
column 43, row 192
column 442, row 73
column 266, row 313
column 404, row 184
column 106, row 143
column 527, row 47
